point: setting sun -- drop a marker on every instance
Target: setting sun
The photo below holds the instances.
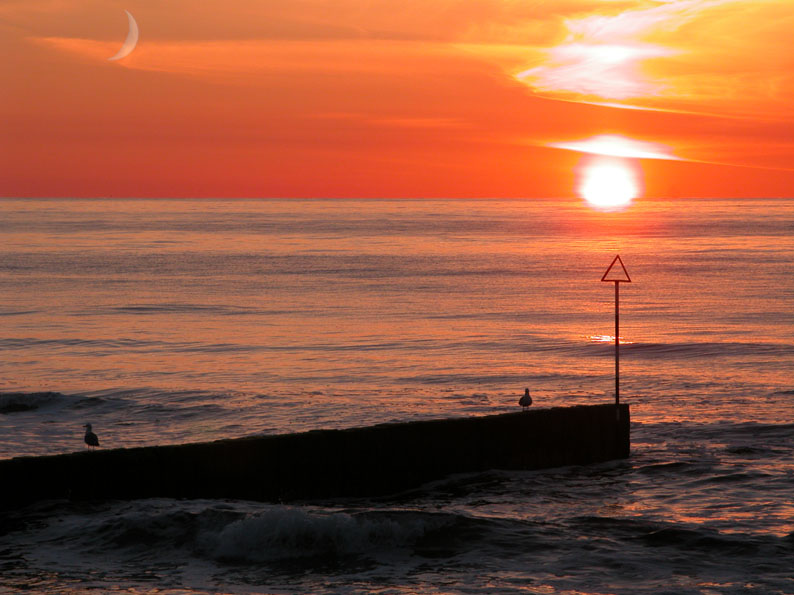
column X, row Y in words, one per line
column 608, row 184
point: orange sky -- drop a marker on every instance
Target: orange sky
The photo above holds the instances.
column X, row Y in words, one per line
column 355, row 98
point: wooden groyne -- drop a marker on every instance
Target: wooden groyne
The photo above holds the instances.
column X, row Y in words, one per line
column 366, row 461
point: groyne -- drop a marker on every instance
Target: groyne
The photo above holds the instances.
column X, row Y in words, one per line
column 368, row 461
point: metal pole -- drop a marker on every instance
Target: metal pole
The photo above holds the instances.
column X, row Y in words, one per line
column 617, row 343
column 617, row 278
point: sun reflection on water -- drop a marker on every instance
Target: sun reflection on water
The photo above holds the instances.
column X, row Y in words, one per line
column 608, row 339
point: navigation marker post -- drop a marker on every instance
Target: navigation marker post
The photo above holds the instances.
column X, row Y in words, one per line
column 617, row 275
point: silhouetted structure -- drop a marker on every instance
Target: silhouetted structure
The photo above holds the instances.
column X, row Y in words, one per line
column 382, row 459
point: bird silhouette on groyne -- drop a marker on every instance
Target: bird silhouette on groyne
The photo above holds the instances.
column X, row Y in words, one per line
column 90, row 438
column 526, row 400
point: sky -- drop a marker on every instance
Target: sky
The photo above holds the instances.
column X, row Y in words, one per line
column 396, row 98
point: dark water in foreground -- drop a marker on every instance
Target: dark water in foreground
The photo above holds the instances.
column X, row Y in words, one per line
column 175, row 321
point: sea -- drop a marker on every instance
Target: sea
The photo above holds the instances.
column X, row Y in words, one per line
column 177, row 321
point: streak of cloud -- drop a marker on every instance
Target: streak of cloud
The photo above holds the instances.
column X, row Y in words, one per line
column 618, row 146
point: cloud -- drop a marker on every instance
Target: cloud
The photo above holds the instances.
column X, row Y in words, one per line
column 721, row 57
column 607, row 71
column 618, row 146
column 229, row 60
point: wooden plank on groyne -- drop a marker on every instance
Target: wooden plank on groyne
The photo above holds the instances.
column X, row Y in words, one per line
column 367, row 461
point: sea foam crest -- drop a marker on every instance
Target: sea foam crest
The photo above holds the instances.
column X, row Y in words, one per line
column 283, row 532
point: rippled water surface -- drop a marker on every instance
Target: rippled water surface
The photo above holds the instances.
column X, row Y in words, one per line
column 177, row 321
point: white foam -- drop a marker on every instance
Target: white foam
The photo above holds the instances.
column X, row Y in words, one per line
column 285, row 532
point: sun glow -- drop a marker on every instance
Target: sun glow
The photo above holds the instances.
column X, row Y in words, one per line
column 608, row 184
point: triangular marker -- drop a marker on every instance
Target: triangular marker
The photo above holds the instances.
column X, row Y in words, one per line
column 617, row 274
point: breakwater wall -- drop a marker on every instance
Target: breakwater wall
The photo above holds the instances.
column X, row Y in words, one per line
column 374, row 460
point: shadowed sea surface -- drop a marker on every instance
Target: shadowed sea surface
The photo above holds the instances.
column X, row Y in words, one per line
column 171, row 321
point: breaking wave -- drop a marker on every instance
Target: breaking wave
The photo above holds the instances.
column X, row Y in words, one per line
column 17, row 402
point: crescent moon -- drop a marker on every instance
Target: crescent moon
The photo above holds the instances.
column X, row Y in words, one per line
column 130, row 42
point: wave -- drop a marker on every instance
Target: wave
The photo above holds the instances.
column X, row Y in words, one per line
column 18, row 402
column 241, row 533
column 180, row 308
column 674, row 535
column 100, row 347
column 700, row 539
column 17, row 312
column 290, row 533
column 693, row 349
column 518, row 379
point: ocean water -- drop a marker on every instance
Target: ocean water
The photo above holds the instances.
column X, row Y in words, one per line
column 170, row 321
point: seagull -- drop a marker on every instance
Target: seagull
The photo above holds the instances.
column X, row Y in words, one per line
column 524, row 401
column 90, row 437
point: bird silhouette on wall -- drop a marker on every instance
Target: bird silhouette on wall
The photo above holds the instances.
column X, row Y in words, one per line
column 526, row 400
column 90, row 438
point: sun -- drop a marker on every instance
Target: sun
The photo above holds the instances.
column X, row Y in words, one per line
column 608, row 184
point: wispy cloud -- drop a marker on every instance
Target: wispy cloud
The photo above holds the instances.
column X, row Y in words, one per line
column 596, row 71
column 227, row 59
column 618, row 146
column 721, row 57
